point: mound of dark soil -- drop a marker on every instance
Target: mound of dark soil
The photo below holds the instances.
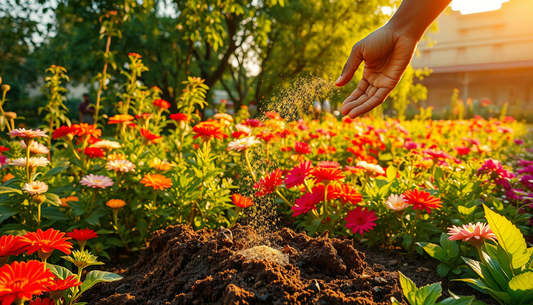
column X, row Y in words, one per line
column 183, row 266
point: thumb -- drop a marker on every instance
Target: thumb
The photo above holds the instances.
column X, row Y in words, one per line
column 355, row 59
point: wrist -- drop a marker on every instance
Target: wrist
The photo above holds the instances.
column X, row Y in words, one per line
column 406, row 28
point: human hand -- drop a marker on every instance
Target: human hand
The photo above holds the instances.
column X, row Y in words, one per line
column 386, row 54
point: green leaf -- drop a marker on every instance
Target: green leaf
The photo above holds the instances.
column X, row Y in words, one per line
column 434, row 250
column 521, row 287
column 428, row 295
column 466, row 211
column 443, row 269
column 496, row 271
column 59, row 167
column 97, row 276
column 54, row 213
column 450, row 246
column 52, row 199
column 509, row 237
column 408, row 287
column 59, row 271
column 6, row 212
column 9, row 190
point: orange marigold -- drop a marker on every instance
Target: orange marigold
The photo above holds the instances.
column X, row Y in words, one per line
column 120, row 118
column 157, row 181
column 84, row 129
column 208, row 130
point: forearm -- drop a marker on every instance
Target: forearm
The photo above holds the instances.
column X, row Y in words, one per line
column 414, row 17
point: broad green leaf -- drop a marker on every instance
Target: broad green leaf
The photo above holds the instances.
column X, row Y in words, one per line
column 434, row 251
column 9, row 190
column 55, row 170
column 509, row 237
column 59, row 271
column 408, row 287
column 428, row 295
column 496, row 251
column 6, row 212
column 457, row 300
column 521, row 287
column 52, row 199
column 97, row 276
column 450, row 246
column 496, row 271
column 443, row 269
column 466, row 211
column 54, row 213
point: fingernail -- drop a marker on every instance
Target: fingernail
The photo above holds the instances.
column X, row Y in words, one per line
column 338, row 79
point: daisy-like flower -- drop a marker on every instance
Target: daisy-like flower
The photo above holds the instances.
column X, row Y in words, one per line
column 35, row 188
column 308, row 201
column 115, row 204
column 243, row 144
column 93, row 152
column 326, row 175
column 45, row 242
column 242, row 201
column 372, row 169
column 243, row 128
column 360, row 220
column 66, row 200
column 34, row 162
column 421, row 200
column 302, row 148
column 59, row 286
column 298, row 174
column 178, row 117
column 36, row 148
column 396, row 202
column 328, row 164
column 149, row 137
column 23, row 280
column 106, row 145
column 208, row 130
column 96, row 181
column 269, row 184
column 156, row 181
column 63, row 131
column 39, row 301
column 120, row 118
column 223, row 117
column 476, row 234
column 27, row 133
column 85, row 129
column 82, row 235
column 161, row 104
column 124, row 166
column 11, row 245
column 345, row 193
column 160, row 165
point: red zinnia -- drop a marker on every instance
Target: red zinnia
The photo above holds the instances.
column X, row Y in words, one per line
column 46, row 242
column 93, row 152
column 360, row 220
column 266, row 136
column 461, row 151
column 148, row 136
column 238, row 134
column 58, row 286
column 178, row 117
column 421, row 200
column 302, row 148
column 242, row 201
column 298, row 174
column 252, row 123
column 268, row 184
column 11, row 245
column 84, row 129
column 286, row 148
column 162, row 104
column 308, row 201
column 325, row 175
column 208, row 130
column 345, row 193
column 45, row 301
column 62, row 131
column 23, row 280
column 82, row 236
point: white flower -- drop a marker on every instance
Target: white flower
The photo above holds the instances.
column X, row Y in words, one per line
column 371, row 168
column 34, row 162
column 35, row 188
column 120, row 166
column 242, row 144
column 23, row 133
column 96, row 181
column 396, row 202
column 106, row 144
column 36, row 148
column 243, row 128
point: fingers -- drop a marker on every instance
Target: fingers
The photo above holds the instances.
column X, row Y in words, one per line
column 366, row 102
column 355, row 59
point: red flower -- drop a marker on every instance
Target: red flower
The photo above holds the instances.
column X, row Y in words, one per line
column 144, row 116
column 82, row 235
column 326, row 150
column 325, row 175
column 298, row 174
column 178, row 117
column 461, row 151
column 45, row 301
column 266, row 136
column 134, row 55
column 437, row 154
column 421, row 200
column 2, row 148
column 208, row 130
column 93, row 152
column 273, row 115
column 11, row 245
column 308, row 201
column 58, row 286
column 302, row 148
column 268, row 184
column 286, row 148
column 328, row 164
column 242, row 201
column 162, row 104
column 252, row 123
column 148, row 136
column 238, row 134
column 46, row 242
column 62, row 131
column 360, row 220
column 345, row 193
column 284, row 133
column 23, row 280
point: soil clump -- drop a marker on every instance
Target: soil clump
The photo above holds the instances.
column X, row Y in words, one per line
column 183, row 266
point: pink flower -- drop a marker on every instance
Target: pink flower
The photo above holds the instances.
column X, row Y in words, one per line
column 298, row 174
column 437, row 154
column 473, row 233
column 96, row 181
column 308, row 201
column 360, row 220
column 518, row 141
column 23, row 133
column 328, row 164
column 496, row 172
column 410, row 145
column 526, row 170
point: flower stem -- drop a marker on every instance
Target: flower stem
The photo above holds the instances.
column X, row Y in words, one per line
column 249, row 165
column 39, row 215
column 283, row 197
column 28, row 173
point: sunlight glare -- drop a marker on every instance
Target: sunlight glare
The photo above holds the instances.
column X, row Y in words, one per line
column 476, row 6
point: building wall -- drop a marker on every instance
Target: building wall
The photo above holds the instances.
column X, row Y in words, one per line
column 485, row 55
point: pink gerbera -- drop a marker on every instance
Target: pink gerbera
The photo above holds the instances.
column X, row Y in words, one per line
column 476, row 234
column 298, row 174
column 328, row 164
column 308, row 201
column 96, row 181
column 360, row 220
column 30, row 133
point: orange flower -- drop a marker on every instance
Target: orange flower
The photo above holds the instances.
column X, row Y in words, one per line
column 242, row 201
column 66, row 200
column 269, row 184
column 46, row 242
column 8, row 177
column 157, row 181
column 85, row 129
column 148, row 136
column 473, row 233
column 208, row 130
column 421, row 200
column 23, row 280
column 115, row 203
column 325, row 175
column 162, row 104
column 345, row 193
column 120, row 118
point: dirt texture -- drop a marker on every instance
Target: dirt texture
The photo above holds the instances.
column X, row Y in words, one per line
column 183, row 266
